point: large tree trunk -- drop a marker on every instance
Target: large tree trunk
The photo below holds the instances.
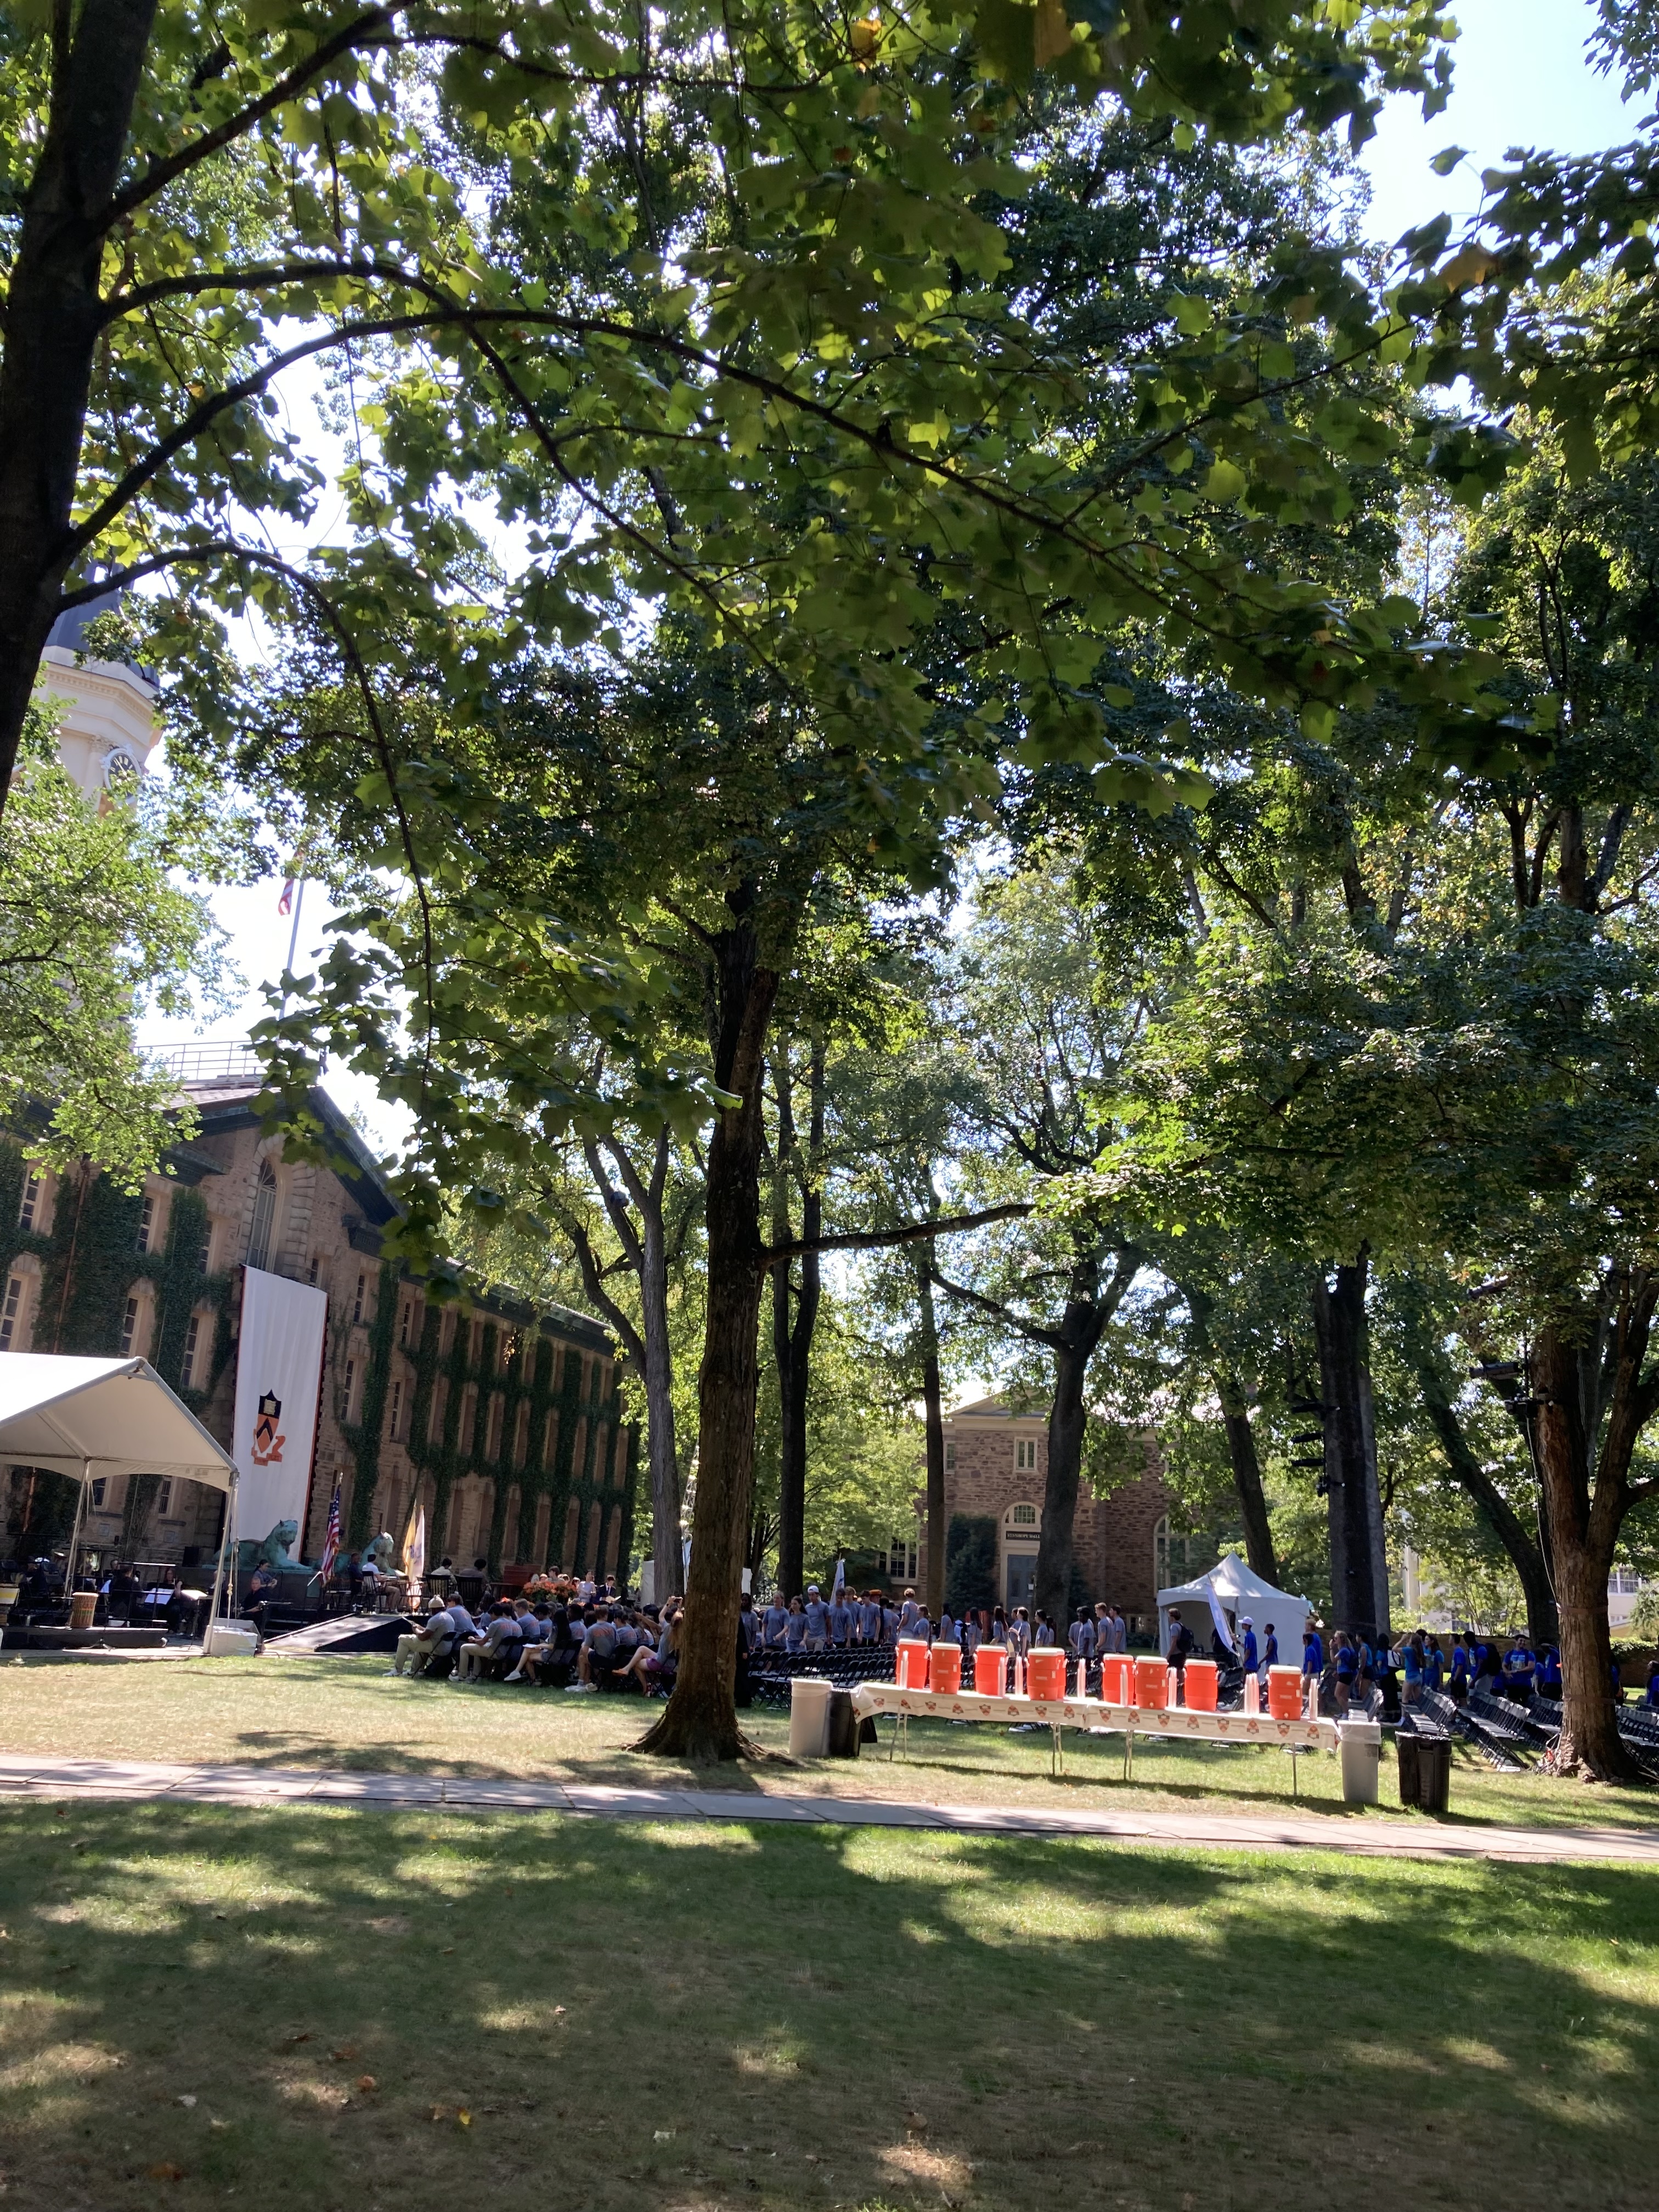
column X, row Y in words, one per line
column 700, row 1720
column 1543, row 1626
column 1051, row 1589
column 52, row 320
column 1359, row 1566
column 667, row 1558
column 1247, row 1480
column 932, row 1403
column 1588, row 1383
column 794, row 1319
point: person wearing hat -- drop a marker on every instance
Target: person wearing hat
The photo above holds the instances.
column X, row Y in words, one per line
column 818, row 1620
column 1247, row 1650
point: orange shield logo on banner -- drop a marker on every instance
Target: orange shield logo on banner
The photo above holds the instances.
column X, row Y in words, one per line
column 267, row 1444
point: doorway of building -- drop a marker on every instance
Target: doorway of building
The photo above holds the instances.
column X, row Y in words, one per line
column 1019, row 1554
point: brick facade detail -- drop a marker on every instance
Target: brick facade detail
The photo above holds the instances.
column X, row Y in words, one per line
column 996, row 1460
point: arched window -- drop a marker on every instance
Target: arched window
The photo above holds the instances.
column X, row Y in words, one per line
column 265, row 1217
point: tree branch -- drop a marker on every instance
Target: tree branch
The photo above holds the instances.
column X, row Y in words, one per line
column 881, row 1240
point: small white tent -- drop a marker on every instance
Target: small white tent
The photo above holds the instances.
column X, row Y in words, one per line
column 1224, row 1596
column 85, row 1418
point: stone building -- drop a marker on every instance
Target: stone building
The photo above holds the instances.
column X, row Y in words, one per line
column 509, row 1421
column 996, row 1462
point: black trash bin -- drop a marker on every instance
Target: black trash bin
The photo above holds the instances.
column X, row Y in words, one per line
column 1425, row 1758
column 845, row 1733
column 1434, row 1772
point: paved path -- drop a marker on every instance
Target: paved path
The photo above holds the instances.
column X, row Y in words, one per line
column 23, row 1776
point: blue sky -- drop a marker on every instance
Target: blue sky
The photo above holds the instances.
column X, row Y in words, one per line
column 1522, row 79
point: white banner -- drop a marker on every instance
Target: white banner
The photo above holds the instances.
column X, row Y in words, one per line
column 279, row 1366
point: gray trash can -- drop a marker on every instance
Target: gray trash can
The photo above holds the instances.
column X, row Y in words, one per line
column 809, row 1716
column 1361, row 1746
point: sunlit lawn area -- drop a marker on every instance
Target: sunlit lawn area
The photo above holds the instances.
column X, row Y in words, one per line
column 360, row 2009
column 346, row 1713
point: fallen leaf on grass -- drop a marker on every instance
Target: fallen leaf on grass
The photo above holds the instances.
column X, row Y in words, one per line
column 346, row 2050
column 164, row 2170
column 366, row 2081
column 304, row 2036
column 189, row 2103
column 220, row 2124
column 464, row 2117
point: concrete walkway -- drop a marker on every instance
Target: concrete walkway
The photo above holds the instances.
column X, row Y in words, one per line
column 1356, row 1833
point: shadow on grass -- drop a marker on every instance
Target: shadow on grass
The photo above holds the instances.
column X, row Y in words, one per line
column 696, row 2017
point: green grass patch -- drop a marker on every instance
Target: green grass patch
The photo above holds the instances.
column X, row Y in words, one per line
column 309, row 2007
column 345, row 1713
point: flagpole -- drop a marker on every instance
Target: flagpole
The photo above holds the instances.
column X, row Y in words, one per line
column 294, row 935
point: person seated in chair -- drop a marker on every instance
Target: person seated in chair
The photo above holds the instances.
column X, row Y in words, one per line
column 598, row 1654
column 430, row 1641
column 473, row 1582
column 263, row 1585
column 480, row 1656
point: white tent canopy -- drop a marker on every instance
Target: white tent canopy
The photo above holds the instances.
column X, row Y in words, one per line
column 1224, row 1596
column 87, row 1418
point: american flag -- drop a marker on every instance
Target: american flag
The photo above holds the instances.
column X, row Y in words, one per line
column 331, row 1540
column 285, row 904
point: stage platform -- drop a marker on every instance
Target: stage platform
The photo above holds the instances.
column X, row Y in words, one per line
column 83, row 1640
column 342, row 1633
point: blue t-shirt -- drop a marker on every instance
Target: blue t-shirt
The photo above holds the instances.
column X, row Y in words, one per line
column 1313, row 1655
column 840, row 1622
column 1549, row 1674
column 817, row 1617
column 1459, row 1661
column 1251, row 1659
column 1518, row 1669
column 777, row 1623
column 794, row 1632
column 1270, row 1656
column 1652, row 1697
column 1347, row 1663
column 1413, row 1659
column 1434, row 1666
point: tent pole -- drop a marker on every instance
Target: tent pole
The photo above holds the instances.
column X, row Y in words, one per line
column 75, row 1533
column 224, row 1546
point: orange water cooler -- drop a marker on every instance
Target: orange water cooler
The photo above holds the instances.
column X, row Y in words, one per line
column 1117, row 1672
column 912, row 1664
column 990, row 1670
column 1151, row 1682
column 1045, row 1672
column 1203, row 1681
column 1285, row 1693
column 944, row 1671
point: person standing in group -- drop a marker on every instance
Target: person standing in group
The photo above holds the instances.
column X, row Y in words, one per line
column 1549, row 1674
column 1412, row 1661
column 1345, row 1660
column 1520, row 1668
column 1461, row 1662
column 1270, row 1651
column 910, row 1615
column 818, row 1620
column 1434, row 1664
column 841, row 1620
column 1313, row 1652
column 1250, row 1650
column 774, row 1623
column 795, row 1629
column 1180, row 1647
column 948, row 1630
column 1080, row 1636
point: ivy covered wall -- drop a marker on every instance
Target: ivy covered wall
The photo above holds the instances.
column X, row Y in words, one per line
column 89, row 1261
column 532, row 1376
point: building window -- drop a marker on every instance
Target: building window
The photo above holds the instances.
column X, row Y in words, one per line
column 492, row 1434
column 164, row 1499
column 1026, row 1454
column 902, row 1560
column 475, row 1344
column 9, row 1312
column 147, row 1222
column 550, row 1438
column 346, row 1386
column 129, row 1328
column 466, row 1437
column 357, row 1302
column 265, row 1216
column 192, row 1338
column 29, row 1211
column 404, row 1320
column 1023, row 1517
column 101, row 1485
column 311, row 1272
column 396, row 1412
column 1625, row 1582
column 205, row 1255
column 949, row 1455
column 522, row 1433
column 435, row 1411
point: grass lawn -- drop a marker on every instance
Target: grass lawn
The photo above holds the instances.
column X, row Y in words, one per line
column 352, row 2010
column 346, row 1713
